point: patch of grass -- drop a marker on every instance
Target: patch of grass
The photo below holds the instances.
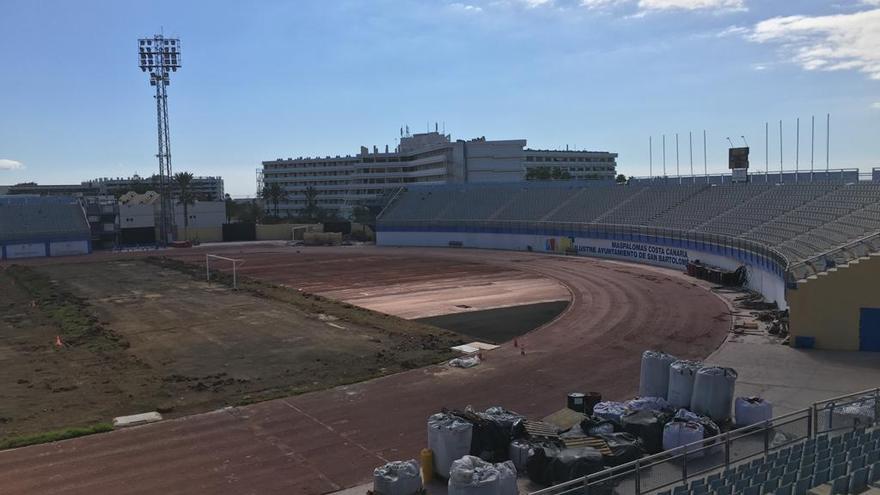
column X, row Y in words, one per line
column 70, row 313
column 54, row 436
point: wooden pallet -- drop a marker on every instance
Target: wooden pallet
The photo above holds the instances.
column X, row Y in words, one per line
column 541, row 429
column 596, row 443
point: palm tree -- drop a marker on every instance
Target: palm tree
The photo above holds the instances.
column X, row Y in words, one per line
column 273, row 193
column 185, row 197
column 312, row 210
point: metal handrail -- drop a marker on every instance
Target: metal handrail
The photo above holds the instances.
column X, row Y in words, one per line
column 682, row 452
column 390, row 202
column 835, row 250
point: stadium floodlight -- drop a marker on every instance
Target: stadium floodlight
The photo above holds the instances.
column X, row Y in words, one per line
column 160, row 56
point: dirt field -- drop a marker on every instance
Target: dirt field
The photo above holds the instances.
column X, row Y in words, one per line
column 394, row 282
column 327, row 440
column 140, row 337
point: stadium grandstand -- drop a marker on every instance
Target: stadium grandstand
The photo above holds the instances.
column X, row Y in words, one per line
column 42, row 226
column 784, row 235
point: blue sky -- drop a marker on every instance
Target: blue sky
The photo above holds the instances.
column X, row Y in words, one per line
column 269, row 79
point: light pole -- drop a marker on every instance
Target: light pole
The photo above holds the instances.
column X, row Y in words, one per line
column 160, row 56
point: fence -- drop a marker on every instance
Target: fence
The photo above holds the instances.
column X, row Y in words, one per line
column 736, row 247
column 675, row 467
column 847, row 412
column 821, row 262
column 776, row 177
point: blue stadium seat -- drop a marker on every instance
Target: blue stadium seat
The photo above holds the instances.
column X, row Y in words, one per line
column 784, row 490
column 821, row 477
column 874, row 473
column 752, row 490
column 857, row 463
column 840, row 485
column 770, row 485
column 722, row 490
column 802, row 486
column 858, row 481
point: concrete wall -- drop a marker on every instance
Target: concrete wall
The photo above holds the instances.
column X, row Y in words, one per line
column 136, row 216
column 200, row 234
column 668, row 253
column 493, row 161
column 284, row 231
column 45, row 248
column 201, row 214
column 828, row 306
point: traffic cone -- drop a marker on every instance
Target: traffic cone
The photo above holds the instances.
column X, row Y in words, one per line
column 515, row 343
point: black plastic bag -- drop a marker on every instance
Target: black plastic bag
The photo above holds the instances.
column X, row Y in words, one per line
column 594, row 425
column 538, row 465
column 624, row 448
column 648, row 426
column 572, row 464
column 492, row 432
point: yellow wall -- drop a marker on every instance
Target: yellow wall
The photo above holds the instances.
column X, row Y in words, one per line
column 202, row 234
column 828, row 306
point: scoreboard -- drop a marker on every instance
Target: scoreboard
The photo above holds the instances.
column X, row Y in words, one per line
column 738, row 158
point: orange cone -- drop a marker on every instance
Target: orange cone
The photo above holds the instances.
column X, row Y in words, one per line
column 515, row 343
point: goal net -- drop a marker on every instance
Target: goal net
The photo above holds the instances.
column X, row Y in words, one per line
column 219, row 261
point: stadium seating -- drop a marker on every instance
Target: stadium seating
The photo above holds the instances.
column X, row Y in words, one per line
column 844, row 464
column 800, row 221
column 35, row 218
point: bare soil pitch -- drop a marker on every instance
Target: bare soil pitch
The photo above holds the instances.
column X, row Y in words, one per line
column 145, row 335
column 331, row 439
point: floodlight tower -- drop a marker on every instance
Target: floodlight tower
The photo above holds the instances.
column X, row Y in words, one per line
column 160, row 56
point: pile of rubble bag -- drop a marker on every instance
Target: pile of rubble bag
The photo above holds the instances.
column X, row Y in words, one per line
column 481, row 452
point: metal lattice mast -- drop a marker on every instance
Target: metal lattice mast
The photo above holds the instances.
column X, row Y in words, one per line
column 160, row 56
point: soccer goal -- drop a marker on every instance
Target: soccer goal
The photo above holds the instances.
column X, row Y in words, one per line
column 235, row 264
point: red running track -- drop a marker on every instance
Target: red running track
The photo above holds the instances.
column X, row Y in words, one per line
column 329, row 440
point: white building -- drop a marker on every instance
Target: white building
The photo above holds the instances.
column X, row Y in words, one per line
column 341, row 182
column 203, row 188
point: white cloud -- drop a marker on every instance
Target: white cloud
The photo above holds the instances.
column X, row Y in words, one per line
column 645, row 6
column 721, row 5
column 600, row 4
column 6, row 164
column 733, row 31
column 876, row 105
column 828, row 43
column 536, row 3
column 466, row 7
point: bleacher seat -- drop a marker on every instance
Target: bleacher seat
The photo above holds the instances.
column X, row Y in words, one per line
column 801, row 221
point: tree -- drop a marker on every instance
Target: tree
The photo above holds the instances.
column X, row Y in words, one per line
column 538, row 173
column 183, row 180
column 251, row 212
column 560, row 174
column 363, row 215
column 273, row 193
column 312, row 211
column 230, row 208
column 620, row 179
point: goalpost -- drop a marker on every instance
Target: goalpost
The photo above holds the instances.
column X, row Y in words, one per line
column 235, row 264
